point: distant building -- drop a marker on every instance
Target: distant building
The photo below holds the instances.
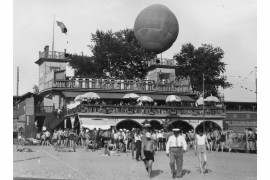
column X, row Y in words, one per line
column 240, row 115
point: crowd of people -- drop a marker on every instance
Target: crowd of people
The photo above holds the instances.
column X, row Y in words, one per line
column 143, row 143
column 125, row 139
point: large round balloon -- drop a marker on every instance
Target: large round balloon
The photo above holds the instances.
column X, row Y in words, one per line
column 156, row 28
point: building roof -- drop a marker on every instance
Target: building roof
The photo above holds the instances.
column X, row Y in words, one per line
column 239, row 102
column 41, row 60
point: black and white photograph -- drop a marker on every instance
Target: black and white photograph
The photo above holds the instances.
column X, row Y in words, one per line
column 134, row 90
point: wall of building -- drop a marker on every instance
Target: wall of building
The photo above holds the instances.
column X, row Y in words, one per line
column 239, row 121
column 46, row 74
column 154, row 74
column 25, row 112
column 54, row 101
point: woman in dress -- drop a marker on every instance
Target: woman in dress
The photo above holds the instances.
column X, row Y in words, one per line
column 222, row 139
column 210, row 147
column 217, row 134
column 230, row 140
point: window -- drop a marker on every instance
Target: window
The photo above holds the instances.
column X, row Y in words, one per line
column 54, row 68
column 27, row 120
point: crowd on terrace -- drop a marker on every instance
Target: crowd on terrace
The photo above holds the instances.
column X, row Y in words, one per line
column 133, row 107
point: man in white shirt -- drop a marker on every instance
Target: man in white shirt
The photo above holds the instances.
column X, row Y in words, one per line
column 175, row 147
column 160, row 140
column 137, row 138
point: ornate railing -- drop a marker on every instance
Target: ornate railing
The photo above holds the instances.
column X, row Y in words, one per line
column 120, row 84
column 152, row 110
column 52, row 55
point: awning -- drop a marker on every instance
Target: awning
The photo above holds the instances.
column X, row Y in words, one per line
column 109, row 95
column 102, row 95
column 91, row 127
column 92, row 123
column 161, row 97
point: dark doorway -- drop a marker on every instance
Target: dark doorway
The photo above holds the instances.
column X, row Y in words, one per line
column 209, row 126
column 182, row 125
column 156, row 124
column 39, row 122
column 128, row 124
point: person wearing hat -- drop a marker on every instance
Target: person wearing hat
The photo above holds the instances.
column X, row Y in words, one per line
column 147, row 152
column 175, row 147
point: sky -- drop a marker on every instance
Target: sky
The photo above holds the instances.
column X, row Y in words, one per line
column 228, row 24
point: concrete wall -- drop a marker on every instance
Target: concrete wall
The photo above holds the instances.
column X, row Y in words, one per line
column 46, row 74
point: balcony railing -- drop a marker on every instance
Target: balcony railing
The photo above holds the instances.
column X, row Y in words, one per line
column 152, row 110
column 52, row 55
column 120, row 84
column 44, row 109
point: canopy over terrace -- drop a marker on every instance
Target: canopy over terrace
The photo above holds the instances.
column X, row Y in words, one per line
column 107, row 123
column 92, row 123
column 110, row 95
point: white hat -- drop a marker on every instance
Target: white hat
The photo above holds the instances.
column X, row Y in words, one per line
column 120, row 129
column 176, row 129
column 148, row 135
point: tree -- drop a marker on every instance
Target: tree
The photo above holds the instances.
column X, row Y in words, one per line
column 119, row 54
column 85, row 66
column 205, row 60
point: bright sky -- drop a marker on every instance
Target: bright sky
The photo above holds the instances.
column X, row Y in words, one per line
column 229, row 24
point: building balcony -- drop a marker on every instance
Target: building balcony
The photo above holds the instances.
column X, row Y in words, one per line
column 145, row 110
column 52, row 55
column 145, row 85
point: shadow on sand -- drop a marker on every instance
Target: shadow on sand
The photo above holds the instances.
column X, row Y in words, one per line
column 155, row 173
column 206, row 171
column 184, row 172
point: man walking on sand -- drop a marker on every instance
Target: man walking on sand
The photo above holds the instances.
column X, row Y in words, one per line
column 147, row 152
column 200, row 149
column 175, row 147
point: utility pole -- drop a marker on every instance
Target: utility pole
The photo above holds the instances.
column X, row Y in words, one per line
column 17, row 81
column 203, row 106
column 53, row 36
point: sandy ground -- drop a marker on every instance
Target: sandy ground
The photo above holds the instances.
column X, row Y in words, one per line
column 46, row 163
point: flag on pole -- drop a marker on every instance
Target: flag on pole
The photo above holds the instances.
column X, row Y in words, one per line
column 62, row 26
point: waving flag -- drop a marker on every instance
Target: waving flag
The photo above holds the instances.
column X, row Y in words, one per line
column 62, row 26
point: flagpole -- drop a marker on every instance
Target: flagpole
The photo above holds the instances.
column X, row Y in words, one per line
column 256, row 81
column 53, row 36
